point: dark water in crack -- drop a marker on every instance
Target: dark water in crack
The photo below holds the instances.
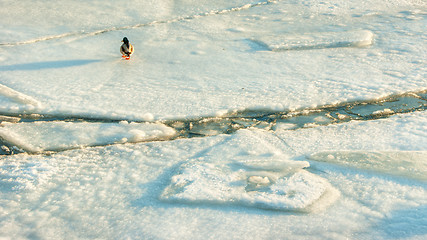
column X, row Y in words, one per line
column 228, row 124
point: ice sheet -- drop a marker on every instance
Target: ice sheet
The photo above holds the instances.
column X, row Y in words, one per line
column 194, row 59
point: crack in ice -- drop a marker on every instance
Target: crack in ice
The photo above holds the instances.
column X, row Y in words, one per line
column 203, row 127
column 139, row 25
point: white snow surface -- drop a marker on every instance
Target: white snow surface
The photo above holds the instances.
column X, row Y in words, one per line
column 353, row 180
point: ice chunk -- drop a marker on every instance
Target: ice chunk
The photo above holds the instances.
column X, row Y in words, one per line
column 318, row 40
column 410, row 164
column 259, row 174
column 204, row 182
column 53, row 136
column 258, row 180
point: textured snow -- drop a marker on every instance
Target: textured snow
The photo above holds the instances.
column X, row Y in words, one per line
column 353, row 180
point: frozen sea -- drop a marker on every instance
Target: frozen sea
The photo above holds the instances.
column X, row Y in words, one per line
column 262, row 119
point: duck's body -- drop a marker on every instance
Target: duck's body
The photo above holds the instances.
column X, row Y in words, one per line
column 126, row 49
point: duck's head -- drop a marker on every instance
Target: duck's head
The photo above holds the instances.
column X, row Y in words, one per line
column 125, row 40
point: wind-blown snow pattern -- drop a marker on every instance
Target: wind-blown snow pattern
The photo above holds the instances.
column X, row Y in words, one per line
column 237, row 119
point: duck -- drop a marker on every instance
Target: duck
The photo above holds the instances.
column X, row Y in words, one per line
column 126, row 49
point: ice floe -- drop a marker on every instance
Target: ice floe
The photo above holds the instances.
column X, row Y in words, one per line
column 42, row 136
column 202, row 182
column 259, row 176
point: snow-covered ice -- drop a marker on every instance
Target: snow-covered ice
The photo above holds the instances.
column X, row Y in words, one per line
column 107, row 155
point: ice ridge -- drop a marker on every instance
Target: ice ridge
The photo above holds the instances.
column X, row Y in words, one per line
column 18, row 96
column 320, row 40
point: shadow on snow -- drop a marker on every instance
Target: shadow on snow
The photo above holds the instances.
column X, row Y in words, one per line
column 47, row 65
